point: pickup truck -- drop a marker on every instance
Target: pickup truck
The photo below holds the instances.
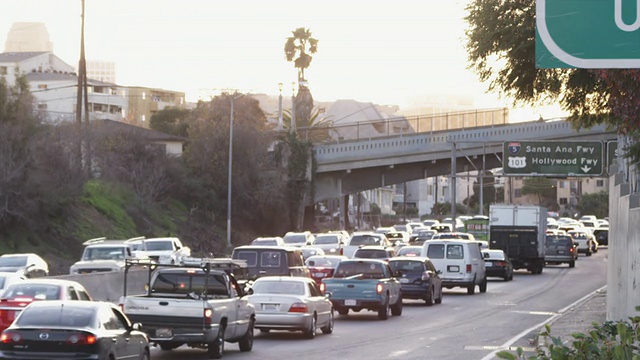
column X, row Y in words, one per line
column 364, row 284
column 166, row 250
column 200, row 306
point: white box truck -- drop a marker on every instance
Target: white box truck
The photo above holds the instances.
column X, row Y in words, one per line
column 520, row 231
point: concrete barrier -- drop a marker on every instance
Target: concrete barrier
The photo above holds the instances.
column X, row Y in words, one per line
column 109, row 286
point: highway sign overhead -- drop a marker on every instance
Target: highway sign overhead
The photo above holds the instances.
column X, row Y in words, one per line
column 552, row 158
column 587, row 34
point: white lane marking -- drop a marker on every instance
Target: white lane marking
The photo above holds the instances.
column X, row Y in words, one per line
column 398, row 353
column 546, row 313
column 510, row 342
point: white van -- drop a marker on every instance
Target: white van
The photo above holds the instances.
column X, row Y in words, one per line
column 459, row 262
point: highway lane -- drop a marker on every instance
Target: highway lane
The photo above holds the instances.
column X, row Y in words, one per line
column 462, row 327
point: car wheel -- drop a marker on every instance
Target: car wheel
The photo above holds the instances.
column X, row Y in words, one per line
column 310, row 333
column 506, row 277
column 215, row 349
column 342, row 311
column 246, row 342
column 383, row 312
column 572, row 264
column 471, row 289
column 428, row 300
column 328, row 329
column 439, row 298
column 396, row 309
column 483, row 285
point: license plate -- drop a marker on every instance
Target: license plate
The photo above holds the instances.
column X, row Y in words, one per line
column 404, row 280
column 271, row 307
column 319, row 275
column 164, row 333
column 488, row 264
column 350, row 302
column 453, row 268
column 560, row 251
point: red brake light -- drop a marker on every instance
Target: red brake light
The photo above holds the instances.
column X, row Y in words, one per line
column 571, row 250
column 323, row 287
column 468, row 268
column 9, row 337
column 298, row 308
column 81, row 339
column 379, row 288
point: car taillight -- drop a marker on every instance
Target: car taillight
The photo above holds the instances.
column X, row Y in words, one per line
column 571, row 250
column 500, row 263
column 208, row 314
column 425, row 276
column 341, row 251
column 468, row 268
column 298, row 307
column 323, row 287
column 9, row 337
column 379, row 288
column 81, row 339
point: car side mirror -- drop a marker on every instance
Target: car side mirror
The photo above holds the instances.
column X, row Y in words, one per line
column 136, row 326
column 485, row 255
column 397, row 273
column 249, row 291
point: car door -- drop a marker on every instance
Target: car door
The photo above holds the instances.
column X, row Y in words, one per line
column 116, row 330
column 321, row 304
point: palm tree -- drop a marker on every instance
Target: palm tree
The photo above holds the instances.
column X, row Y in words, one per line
column 301, row 44
column 315, row 129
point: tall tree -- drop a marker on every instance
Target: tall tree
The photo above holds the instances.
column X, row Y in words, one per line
column 301, row 44
column 171, row 121
column 298, row 49
column 501, row 50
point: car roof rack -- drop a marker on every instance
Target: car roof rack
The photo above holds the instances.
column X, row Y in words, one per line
column 134, row 239
column 214, row 263
column 94, row 241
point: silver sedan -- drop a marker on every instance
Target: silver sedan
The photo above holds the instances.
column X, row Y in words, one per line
column 291, row 303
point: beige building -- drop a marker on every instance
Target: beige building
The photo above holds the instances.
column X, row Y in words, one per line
column 101, row 70
column 28, row 37
column 144, row 102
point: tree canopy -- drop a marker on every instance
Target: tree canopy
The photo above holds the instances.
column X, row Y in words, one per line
column 501, row 50
column 301, row 44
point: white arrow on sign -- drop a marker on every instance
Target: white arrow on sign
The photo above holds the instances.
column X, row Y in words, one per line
column 585, row 169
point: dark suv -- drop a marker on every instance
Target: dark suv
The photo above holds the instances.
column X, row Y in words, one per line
column 561, row 249
column 271, row 261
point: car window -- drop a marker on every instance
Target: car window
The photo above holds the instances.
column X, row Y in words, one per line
column 371, row 254
column 279, row 287
column 407, row 266
column 35, row 291
column 364, row 240
column 314, row 290
column 435, row 251
column 84, row 295
column 184, row 283
column 326, row 239
column 109, row 320
column 355, row 268
column 13, row 260
column 251, row 257
column 52, row 316
column 455, row 251
column 71, row 293
column 270, row 259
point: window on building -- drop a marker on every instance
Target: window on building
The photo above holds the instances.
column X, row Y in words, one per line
column 599, row 183
column 562, row 184
column 3, row 70
column 143, row 118
column 563, row 201
column 42, row 86
column 144, row 95
column 517, row 193
column 42, row 106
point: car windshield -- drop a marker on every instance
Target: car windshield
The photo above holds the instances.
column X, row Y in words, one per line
column 558, row 240
column 13, row 261
column 104, row 253
column 278, row 287
column 34, row 291
column 322, row 262
column 326, row 239
column 159, row 245
column 366, row 269
column 409, row 251
column 295, row 239
column 186, row 283
column 364, row 240
column 494, row 255
column 269, row 242
column 401, row 227
column 407, row 266
column 43, row 317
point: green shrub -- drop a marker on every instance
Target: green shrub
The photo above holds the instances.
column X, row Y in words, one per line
column 614, row 340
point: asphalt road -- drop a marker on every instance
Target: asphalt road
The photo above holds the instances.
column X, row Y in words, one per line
column 462, row 327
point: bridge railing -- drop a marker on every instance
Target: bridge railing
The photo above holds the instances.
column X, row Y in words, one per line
column 403, row 125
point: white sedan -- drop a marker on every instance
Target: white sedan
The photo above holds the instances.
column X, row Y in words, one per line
column 291, row 303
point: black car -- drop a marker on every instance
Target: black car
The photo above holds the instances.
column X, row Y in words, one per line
column 419, row 279
column 561, row 249
column 61, row 329
column 602, row 236
column 497, row 264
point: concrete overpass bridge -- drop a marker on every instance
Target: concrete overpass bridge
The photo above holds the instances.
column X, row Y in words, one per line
column 349, row 166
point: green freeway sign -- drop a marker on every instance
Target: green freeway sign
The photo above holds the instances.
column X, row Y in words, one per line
column 587, row 34
column 552, row 158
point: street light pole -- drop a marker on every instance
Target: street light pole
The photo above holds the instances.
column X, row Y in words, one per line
column 293, row 107
column 280, row 107
column 230, row 172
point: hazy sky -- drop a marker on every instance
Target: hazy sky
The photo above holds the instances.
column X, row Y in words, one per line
column 386, row 52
